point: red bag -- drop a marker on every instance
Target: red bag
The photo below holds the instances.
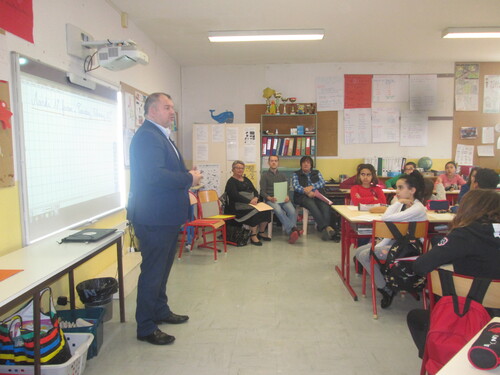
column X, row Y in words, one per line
column 454, row 321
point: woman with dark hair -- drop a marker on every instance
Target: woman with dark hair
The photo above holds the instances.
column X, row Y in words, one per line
column 472, row 178
column 306, row 181
column 472, row 246
column 406, row 207
column 241, row 192
column 366, row 190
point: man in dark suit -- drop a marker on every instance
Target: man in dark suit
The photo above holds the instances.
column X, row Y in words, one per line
column 157, row 207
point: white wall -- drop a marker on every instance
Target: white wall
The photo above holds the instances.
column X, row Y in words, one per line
column 231, row 87
column 99, row 19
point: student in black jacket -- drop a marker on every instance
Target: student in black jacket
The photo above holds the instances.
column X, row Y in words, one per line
column 472, row 246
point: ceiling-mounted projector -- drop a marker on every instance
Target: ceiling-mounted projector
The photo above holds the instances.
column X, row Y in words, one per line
column 121, row 57
column 118, row 54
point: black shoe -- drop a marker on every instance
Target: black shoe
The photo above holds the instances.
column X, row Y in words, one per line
column 257, row 243
column 261, row 237
column 336, row 237
column 157, row 338
column 387, row 297
column 174, row 319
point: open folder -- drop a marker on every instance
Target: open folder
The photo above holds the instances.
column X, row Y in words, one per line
column 261, row 206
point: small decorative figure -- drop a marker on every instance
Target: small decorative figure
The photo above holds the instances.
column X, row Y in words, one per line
column 277, row 95
column 272, row 108
column 300, row 109
column 267, row 94
column 224, row 117
column 5, row 115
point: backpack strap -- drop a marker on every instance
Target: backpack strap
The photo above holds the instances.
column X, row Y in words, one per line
column 394, row 230
column 476, row 292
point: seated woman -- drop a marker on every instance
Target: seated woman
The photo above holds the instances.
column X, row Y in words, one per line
column 241, row 192
column 465, row 188
column 305, row 182
column 450, row 180
column 366, row 190
column 406, row 207
column 472, row 246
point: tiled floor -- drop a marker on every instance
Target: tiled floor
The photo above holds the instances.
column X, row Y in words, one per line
column 275, row 309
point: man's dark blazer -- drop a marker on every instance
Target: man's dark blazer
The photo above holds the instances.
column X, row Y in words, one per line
column 159, row 180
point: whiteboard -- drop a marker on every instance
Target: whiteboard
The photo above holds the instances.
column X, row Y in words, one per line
column 70, row 151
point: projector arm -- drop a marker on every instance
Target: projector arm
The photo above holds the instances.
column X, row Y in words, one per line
column 107, row 43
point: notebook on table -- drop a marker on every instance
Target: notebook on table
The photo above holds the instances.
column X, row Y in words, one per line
column 89, row 235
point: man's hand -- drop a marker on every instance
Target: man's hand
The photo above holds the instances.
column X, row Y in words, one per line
column 287, row 198
column 272, row 199
column 307, row 189
column 255, row 200
column 197, row 176
column 310, row 194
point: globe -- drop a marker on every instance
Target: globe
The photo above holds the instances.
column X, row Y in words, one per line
column 425, row 163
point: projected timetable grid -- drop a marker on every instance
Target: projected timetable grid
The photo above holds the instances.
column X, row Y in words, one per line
column 71, row 153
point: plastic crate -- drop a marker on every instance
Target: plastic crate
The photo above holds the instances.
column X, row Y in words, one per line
column 95, row 316
column 78, row 343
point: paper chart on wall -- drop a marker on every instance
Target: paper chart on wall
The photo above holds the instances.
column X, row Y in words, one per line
column 491, row 100
column 217, row 133
column 250, row 153
column 211, row 177
column 202, row 151
column 330, row 93
column 414, row 129
column 129, row 111
column 485, row 150
column 390, row 88
column 201, row 133
column 488, row 135
column 251, row 173
column 250, row 136
column 385, row 125
column 140, row 100
column 466, row 87
column 423, row 92
column 357, row 126
column 232, row 143
column 464, row 154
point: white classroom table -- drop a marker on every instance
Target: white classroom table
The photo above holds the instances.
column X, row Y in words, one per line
column 460, row 365
column 43, row 263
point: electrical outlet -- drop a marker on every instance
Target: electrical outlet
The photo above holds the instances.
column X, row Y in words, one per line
column 74, row 38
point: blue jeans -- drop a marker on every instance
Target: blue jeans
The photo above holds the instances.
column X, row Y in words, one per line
column 286, row 213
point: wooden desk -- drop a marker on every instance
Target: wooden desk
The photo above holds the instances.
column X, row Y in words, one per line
column 45, row 262
column 460, row 364
column 352, row 217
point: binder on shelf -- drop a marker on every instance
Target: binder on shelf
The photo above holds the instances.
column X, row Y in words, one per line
column 285, row 148
column 281, row 145
column 269, row 146
column 291, row 146
column 299, row 146
column 313, row 146
column 303, row 146
column 264, row 145
column 379, row 166
column 308, row 146
column 275, row 145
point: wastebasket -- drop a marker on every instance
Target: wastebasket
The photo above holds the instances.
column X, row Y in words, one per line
column 98, row 293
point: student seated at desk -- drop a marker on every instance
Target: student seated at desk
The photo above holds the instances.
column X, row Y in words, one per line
column 486, row 178
column 450, row 180
column 366, row 190
column 409, row 167
column 472, row 246
column 407, row 207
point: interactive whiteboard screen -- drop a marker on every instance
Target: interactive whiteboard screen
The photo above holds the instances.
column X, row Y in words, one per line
column 70, row 142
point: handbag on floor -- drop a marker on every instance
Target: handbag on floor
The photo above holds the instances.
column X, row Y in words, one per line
column 17, row 336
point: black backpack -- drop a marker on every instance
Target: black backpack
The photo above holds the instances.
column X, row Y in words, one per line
column 398, row 274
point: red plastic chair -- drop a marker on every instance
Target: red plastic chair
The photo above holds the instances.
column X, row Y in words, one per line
column 207, row 226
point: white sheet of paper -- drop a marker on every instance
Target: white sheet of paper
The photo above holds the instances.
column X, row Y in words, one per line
column 357, row 125
column 423, row 92
column 390, row 88
column 217, row 133
column 211, row 177
column 201, row 133
column 385, row 125
column 485, row 150
column 330, row 93
column 464, row 154
column 232, row 143
column 414, row 129
column 491, row 99
column 250, row 154
column 488, row 135
column 202, row 151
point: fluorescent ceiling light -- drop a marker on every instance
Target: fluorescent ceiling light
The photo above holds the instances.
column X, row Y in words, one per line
column 265, row 35
column 472, row 32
